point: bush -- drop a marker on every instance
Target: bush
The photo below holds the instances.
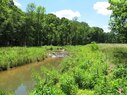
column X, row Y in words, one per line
column 94, row 46
column 68, row 64
column 47, row 86
column 51, row 75
column 68, row 85
column 46, row 89
column 85, row 65
column 119, row 87
column 120, row 72
column 111, row 87
column 84, row 79
column 102, row 87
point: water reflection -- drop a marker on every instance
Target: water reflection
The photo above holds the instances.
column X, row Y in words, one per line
column 21, row 90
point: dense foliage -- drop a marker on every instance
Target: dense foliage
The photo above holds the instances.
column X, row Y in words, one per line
column 118, row 21
column 35, row 28
column 87, row 71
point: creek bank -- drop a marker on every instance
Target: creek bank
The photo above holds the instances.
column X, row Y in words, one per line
column 20, row 80
column 51, row 53
column 58, row 54
column 28, row 61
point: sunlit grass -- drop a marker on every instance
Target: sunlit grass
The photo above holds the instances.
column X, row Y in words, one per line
column 88, row 70
column 16, row 56
column 116, row 53
column 85, row 92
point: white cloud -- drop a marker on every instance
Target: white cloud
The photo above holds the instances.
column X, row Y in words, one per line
column 106, row 28
column 67, row 14
column 101, row 8
column 17, row 3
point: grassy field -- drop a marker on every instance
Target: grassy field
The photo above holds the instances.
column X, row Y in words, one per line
column 89, row 70
column 115, row 53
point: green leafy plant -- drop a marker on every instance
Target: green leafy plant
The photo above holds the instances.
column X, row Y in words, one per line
column 68, row 85
column 120, row 72
column 94, row 46
column 84, row 79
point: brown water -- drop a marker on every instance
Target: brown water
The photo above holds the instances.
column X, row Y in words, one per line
column 19, row 79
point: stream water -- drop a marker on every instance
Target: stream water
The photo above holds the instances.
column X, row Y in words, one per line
column 19, row 79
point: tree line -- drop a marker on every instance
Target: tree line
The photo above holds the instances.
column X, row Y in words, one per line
column 36, row 28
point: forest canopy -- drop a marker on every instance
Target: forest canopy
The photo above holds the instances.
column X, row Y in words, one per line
column 36, row 28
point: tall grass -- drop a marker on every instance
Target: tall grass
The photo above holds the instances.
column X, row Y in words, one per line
column 87, row 71
column 3, row 93
column 79, row 73
column 116, row 53
column 12, row 57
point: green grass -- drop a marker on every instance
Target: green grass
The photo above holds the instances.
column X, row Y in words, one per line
column 88, row 70
column 16, row 56
column 3, row 93
column 115, row 53
column 79, row 73
column 85, row 92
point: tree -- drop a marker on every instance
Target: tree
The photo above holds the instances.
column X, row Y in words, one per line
column 97, row 34
column 10, row 22
column 35, row 28
column 118, row 19
column 30, row 24
column 39, row 33
column 52, row 34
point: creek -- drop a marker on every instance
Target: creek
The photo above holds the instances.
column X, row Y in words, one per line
column 19, row 79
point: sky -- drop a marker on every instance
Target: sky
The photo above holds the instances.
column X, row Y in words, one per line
column 94, row 12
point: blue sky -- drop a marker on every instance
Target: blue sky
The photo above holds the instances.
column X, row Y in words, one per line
column 94, row 12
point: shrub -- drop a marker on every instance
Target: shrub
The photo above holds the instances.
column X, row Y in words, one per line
column 68, row 64
column 47, row 86
column 102, row 87
column 119, row 87
column 46, row 89
column 94, row 46
column 85, row 65
column 84, row 79
column 68, row 85
column 120, row 72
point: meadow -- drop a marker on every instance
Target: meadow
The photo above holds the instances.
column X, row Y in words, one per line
column 94, row 69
